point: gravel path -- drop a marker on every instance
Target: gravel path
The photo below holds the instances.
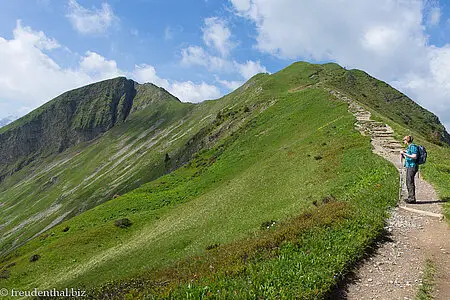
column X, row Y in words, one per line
column 395, row 268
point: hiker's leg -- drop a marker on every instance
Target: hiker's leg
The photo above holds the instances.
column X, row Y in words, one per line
column 410, row 184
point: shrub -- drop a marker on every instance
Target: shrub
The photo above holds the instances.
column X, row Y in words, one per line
column 214, row 246
column 123, row 223
column 268, row 224
column 4, row 274
column 35, row 257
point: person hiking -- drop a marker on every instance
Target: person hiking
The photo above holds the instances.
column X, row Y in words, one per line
column 410, row 156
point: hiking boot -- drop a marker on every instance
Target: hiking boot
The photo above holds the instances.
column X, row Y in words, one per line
column 410, row 201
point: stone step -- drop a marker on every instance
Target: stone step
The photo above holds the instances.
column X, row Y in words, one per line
column 381, row 134
column 383, row 129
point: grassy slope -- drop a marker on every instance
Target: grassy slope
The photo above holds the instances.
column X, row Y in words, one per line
column 63, row 185
column 90, row 173
column 266, row 171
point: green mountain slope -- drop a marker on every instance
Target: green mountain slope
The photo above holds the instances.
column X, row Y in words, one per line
column 279, row 148
column 51, row 186
column 159, row 134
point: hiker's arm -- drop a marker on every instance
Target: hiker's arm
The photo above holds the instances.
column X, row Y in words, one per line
column 413, row 156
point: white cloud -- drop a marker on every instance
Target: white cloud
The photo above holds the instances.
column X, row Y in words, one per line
column 250, row 68
column 197, row 56
column 386, row 38
column 231, row 85
column 185, row 91
column 242, row 5
column 189, row 91
column 194, row 55
column 94, row 21
column 29, row 76
column 98, row 67
column 146, row 73
column 215, row 57
column 217, row 35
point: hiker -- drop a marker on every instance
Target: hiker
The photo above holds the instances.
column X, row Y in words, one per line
column 410, row 156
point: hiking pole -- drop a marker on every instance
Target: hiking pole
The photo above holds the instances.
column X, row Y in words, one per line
column 401, row 179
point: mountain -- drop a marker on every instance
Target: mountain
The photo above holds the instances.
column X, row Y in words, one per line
column 72, row 118
column 121, row 185
column 5, row 121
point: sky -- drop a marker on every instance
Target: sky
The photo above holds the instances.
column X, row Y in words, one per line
column 204, row 49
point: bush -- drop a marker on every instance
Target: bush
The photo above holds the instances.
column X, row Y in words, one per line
column 211, row 247
column 4, row 274
column 35, row 257
column 123, row 223
column 268, row 224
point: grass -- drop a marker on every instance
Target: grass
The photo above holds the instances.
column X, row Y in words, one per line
column 426, row 289
column 267, row 154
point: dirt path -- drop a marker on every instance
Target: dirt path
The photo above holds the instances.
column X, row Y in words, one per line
column 395, row 268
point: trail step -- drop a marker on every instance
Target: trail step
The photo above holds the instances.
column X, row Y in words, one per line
column 422, row 212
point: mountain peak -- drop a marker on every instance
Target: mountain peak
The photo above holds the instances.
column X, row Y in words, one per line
column 74, row 117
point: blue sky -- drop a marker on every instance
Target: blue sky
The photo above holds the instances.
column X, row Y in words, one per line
column 203, row 49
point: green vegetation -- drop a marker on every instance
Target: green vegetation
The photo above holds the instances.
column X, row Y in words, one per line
column 390, row 103
column 268, row 192
column 427, row 287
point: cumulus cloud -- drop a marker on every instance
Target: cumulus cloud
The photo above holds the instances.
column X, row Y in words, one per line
column 91, row 21
column 194, row 92
column 385, row 38
column 185, row 91
column 250, row 68
column 215, row 56
column 29, row 76
column 96, row 66
column 230, row 84
column 197, row 56
column 217, row 35
column 145, row 73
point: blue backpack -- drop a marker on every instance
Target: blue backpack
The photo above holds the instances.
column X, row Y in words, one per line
column 422, row 155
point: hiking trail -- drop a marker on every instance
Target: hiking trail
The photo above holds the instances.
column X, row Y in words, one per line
column 414, row 234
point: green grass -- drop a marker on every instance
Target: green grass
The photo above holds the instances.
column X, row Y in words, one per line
column 426, row 288
column 266, row 171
